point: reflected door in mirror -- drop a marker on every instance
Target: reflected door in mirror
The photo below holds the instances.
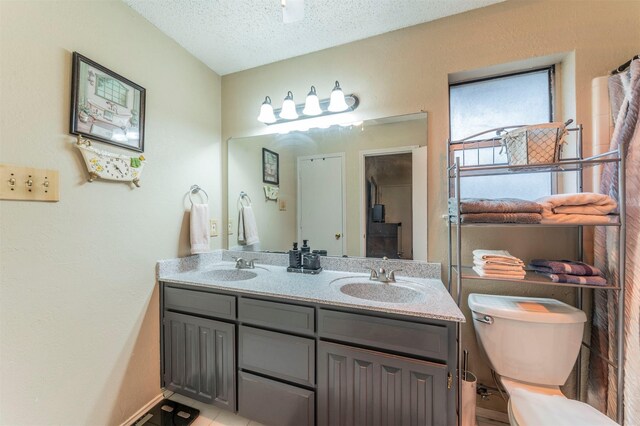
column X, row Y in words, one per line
column 321, row 202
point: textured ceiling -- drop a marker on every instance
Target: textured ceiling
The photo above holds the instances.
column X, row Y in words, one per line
column 234, row 35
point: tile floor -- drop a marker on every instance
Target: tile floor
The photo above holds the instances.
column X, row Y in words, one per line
column 214, row 416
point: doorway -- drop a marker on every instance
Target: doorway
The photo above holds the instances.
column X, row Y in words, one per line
column 394, row 203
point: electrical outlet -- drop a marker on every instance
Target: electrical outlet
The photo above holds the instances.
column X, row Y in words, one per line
column 213, row 228
column 283, row 205
column 230, row 228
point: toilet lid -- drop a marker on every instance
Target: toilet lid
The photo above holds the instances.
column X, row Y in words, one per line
column 535, row 409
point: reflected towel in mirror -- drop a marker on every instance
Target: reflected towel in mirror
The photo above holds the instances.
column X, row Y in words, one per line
column 247, row 228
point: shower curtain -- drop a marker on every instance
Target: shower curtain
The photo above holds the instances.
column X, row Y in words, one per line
column 624, row 94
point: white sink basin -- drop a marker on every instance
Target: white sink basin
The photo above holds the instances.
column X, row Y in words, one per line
column 398, row 292
column 229, row 274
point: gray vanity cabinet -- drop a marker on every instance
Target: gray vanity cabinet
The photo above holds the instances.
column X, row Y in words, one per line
column 199, row 359
column 363, row 387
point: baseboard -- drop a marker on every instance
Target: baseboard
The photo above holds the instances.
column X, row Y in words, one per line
column 492, row 415
column 143, row 410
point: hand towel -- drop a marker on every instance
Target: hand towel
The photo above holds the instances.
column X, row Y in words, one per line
column 501, row 255
column 494, row 266
column 199, row 228
column 584, row 203
column 498, row 205
column 503, row 274
column 577, row 279
column 563, row 267
column 528, row 218
column 247, row 228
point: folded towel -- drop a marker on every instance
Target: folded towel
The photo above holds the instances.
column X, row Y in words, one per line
column 498, row 205
column 496, row 255
column 247, row 228
column 502, row 274
column 584, row 203
column 563, row 267
column 529, row 218
column 495, row 266
column 199, row 228
column 577, row 279
column 577, row 219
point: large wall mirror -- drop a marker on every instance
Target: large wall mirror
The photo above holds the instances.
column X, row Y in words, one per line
column 359, row 190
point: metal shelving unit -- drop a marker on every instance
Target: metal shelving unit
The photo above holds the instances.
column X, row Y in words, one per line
column 458, row 275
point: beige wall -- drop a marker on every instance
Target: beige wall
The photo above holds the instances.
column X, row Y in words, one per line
column 78, row 301
column 407, row 71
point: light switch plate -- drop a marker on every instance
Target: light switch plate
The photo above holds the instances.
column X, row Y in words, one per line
column 283, row 205
column 213, row 228
column 28, row 183
column 230, row 228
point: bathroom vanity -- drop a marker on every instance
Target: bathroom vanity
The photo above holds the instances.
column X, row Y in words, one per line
column 293, row 349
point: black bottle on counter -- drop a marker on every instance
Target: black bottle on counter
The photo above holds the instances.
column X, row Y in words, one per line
column 295, row 257
column 305, row 247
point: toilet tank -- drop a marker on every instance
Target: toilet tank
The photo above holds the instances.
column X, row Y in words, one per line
column 529, row 339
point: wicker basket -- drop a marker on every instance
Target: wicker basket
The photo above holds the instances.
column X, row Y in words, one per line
column 538, row 144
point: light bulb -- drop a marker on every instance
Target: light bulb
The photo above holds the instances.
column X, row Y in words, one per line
column 266, row 112
column 337, row 102
column 312, row 104
column 288, row 111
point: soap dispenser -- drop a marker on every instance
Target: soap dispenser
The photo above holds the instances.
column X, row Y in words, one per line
column 305, row 247
column 295, row 257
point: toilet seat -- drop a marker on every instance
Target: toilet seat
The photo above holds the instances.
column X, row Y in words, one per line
column 527, row 408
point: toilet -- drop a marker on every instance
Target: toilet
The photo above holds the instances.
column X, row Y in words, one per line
column 533, row 343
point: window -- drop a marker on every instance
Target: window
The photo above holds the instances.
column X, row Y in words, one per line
column 111, row 90
column 515, row 99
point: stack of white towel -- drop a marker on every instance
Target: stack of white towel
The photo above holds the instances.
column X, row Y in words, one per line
column 498, row 264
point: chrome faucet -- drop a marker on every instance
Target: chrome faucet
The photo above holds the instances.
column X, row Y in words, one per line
column 244, row 264
column 383, row 276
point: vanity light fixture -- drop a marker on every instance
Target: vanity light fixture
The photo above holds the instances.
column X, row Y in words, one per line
column 313, row 108
column 266, row 112
column 337, row 102
column 288, row 111
column 312, row 104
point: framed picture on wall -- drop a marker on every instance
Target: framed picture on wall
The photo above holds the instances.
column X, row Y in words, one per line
column 105, row 106
column 270, row 167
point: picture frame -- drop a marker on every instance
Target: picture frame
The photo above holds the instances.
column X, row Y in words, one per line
column 270, row 167
column 105, row 106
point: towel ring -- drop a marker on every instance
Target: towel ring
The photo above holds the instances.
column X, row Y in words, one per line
column 194, row 190
column 242, row 197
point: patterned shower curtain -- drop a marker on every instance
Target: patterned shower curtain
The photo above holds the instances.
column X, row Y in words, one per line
column 624, row 94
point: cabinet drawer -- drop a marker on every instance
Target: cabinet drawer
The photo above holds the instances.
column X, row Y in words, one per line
column 281, row 316
column 425, row 340
column 200, row 302
column 274, row 403
column 279, row 355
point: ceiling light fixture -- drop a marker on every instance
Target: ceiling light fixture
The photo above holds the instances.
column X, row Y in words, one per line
column 313, row 107
column 266, row 112
column 312, row 104
column 288, row 111
column 337, row 102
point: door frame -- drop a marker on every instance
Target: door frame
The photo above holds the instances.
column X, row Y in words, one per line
column 342, row 157
column 362, row 179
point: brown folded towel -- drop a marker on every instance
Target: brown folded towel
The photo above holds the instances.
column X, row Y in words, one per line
column 498, row 205
column 501, row 218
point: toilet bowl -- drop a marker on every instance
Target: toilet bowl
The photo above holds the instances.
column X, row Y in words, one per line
column 533, row 343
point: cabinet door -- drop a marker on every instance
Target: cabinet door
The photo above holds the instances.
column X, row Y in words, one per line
column 199, row 359
column 362, row 387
